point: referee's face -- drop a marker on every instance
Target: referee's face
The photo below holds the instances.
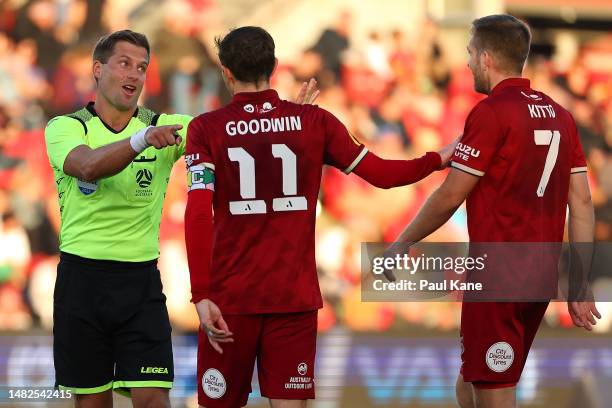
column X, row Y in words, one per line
column 122, row 77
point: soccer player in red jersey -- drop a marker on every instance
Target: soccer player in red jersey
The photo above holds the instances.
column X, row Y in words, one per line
column 257, row 162
column 519, row 164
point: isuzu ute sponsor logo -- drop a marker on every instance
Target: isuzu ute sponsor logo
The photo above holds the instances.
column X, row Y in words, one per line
column 464, row 151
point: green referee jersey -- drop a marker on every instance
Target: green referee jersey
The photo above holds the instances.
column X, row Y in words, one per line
column 118, row 217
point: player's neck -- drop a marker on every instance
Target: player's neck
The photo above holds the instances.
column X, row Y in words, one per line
column 250, row 86
column 113, row 117
column 496, row 77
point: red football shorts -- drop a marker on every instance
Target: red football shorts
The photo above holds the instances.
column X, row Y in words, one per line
column 495, row 340
column 284, row 345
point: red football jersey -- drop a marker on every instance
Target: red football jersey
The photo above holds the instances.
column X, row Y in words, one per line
column 267, row 154
column 524, row 146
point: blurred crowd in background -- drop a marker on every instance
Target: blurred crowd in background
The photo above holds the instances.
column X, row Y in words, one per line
column 398, row 93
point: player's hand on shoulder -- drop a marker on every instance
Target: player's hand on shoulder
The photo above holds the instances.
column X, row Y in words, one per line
column 583, row 314
column 213, row 324
column 308, row 93
column 162, row 136
column 447, row 152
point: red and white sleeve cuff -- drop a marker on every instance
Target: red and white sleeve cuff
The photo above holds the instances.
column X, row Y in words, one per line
column 467, row 169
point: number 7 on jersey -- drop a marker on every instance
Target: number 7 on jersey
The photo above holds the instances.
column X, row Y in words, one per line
column 547, row 138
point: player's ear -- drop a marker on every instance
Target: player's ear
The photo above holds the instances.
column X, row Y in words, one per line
column 485, row 59
column 275, row 66
column 227, row 74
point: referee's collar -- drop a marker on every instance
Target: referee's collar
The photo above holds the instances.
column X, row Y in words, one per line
column 511, row 83
column 268, row 95
column 92, row 110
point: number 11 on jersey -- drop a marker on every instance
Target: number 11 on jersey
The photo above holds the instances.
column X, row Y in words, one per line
column 246, row 164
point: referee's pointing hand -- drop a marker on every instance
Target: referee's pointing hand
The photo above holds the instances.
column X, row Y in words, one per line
column 162, row 136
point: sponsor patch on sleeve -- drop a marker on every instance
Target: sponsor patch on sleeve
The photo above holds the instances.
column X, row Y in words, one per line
column 465, row 152
column 201, row 177
column 192, row 158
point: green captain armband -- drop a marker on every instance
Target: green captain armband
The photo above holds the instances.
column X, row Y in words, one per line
column 201, row 177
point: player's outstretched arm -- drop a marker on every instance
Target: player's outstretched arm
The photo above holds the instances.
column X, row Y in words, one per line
column 384, row 173
column 438, row 208
column 581, row 225
column 92, row 164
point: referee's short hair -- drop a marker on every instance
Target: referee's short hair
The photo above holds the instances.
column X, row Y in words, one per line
column 248, row 52
column 504, row 36
column 106, row 45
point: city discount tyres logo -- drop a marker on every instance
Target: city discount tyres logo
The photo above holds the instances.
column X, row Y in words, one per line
column 213, row 383
column 500, row 356
column 144, row 178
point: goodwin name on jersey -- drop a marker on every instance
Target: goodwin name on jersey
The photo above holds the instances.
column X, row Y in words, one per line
column 263, row 125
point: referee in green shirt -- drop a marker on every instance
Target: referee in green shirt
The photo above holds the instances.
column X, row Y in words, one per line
column 112, row 162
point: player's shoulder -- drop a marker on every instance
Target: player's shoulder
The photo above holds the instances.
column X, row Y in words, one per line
column 485, row 107
column 212, row 117
column 560, row 112
column 305, row 108
column 308, row 112
column 559, row 109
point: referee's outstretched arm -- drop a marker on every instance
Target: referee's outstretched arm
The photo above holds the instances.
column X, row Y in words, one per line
column 92, row 164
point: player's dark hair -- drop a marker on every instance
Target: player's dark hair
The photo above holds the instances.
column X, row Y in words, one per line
column 504, row 36
column 106, row 45
column 248, row 52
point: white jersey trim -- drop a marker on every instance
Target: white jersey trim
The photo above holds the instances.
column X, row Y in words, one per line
column 578, row 170
column 467, row 169
column 355, row 162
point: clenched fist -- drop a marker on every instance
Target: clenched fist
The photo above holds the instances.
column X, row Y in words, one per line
column 162, row 136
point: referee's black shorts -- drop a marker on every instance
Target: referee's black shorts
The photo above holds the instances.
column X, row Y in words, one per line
column 111, row 328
